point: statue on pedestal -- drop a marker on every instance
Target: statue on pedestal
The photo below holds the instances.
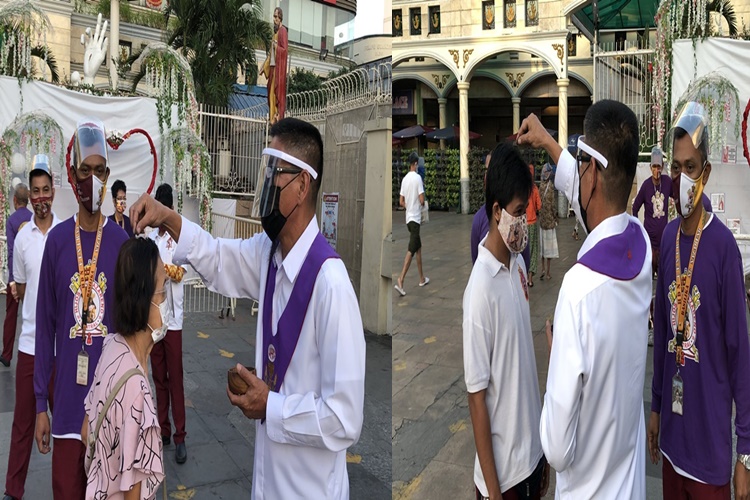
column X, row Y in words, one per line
column 275, row 68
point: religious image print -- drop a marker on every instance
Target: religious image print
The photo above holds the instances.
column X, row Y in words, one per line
column 657, row 200
column 689, row 345
column 95, row 326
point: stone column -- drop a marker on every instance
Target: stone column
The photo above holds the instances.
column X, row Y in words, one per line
column 442, row 101
column 376, row 281
column 114, row 41
column 516, row 113
column 562, row 133
column 463, row 123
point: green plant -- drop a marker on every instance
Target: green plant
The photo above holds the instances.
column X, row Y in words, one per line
column 302, row 80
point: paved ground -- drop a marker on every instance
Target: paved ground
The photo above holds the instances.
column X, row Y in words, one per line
column 220, row 439
column 433, row 443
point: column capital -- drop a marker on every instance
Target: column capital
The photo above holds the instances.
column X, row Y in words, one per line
column 442, row 101
column 515, row 100
column 563, row 82
column 463, row 86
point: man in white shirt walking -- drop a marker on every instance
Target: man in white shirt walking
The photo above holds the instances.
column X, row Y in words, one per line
column 310, row 346
column 166, row 356
column 592, row 426
column 411, row 198
column 499, row 362
column 29, row 246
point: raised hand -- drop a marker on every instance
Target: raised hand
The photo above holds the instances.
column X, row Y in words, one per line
column 96, row 50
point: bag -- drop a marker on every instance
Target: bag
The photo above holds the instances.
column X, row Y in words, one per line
column 425, row 212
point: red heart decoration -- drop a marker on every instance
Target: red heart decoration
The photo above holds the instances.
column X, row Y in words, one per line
column 115, row 145
column 744, row 132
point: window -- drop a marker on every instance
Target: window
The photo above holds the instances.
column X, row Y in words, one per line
column 488, row 15
column 415, row 21
column 397, row 27
column 434, row 12
column 532, row 13
column 509, row 17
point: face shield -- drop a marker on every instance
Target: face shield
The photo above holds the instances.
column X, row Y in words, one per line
column 268, row 188
column 693, row 119
column 91, row 139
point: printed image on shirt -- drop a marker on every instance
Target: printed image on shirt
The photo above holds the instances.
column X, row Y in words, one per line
column 524, row 285
column 657, row 200
column 689, row 345
column 95, row 326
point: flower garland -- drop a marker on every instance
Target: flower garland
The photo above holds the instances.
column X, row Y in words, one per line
column 23, row 25
column 192, row 171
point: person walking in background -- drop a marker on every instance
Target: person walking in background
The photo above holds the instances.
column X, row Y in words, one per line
column 125, row 459
column 28, row 248
column 499, row 363
column 166, row 356
column 120, row 201
column 532, row 212
column 548, row 221
column 17, row 219
column 411, row 198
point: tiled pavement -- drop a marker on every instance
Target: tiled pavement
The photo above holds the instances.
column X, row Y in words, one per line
column 433, row 444
column 220, row 438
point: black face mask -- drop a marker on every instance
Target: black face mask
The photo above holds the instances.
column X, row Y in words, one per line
column 274, row 222
column 584, row 217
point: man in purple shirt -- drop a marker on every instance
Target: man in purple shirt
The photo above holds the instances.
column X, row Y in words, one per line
column 701, row 348
column 12, row 225
column 654, row 197
column 75, row 295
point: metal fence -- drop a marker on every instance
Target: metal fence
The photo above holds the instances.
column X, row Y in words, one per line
column 235, row 139
column 198, row 298
column 623, row 72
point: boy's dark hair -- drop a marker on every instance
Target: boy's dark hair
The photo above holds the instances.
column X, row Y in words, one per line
column 164, row 195
column 134, row 284
column 508, row 176
column 611, row 128
column 303, row 141
column 118, row 186
column 38, row 173
column 680, row 132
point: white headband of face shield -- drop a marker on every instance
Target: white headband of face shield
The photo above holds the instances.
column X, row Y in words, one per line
column 592, row 152
column 291, row 160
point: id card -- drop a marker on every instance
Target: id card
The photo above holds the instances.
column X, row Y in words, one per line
column 82, row 372
column 677, row 392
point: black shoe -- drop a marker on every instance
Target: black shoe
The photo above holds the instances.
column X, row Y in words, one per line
column 166, row 440
column 180, row 454
column 6, row 363
column 8, row 497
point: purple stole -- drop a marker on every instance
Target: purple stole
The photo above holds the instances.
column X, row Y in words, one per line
column 278, row 350
column 619, row 256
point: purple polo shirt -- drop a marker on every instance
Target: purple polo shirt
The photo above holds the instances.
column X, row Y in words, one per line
column 57, row 328
column 14, row 222
column 125, row 222
column 717, row 355
column 655, row 200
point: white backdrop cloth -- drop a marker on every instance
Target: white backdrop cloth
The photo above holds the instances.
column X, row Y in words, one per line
column 132, row 162
column 730, row 58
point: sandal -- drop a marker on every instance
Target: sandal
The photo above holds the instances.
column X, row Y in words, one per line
column 531, row 284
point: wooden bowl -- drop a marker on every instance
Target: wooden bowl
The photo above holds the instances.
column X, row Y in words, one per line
column 236, row 384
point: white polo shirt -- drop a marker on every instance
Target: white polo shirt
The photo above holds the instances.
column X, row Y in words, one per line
column 27, row 261
column 411, row 188
column 166, row 250
column 499, row 357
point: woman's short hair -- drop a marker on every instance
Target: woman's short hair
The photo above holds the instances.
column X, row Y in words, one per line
column 135, row 284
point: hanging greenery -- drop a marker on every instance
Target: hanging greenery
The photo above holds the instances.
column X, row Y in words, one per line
column 191, row 164
column 719, row 97
column 23, row 28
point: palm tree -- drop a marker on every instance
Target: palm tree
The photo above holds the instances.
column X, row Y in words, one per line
column 726, row 10
column 219, row 38
column 44, row 53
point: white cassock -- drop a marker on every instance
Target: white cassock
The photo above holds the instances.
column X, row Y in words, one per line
column 592, row 426
column 300, row 450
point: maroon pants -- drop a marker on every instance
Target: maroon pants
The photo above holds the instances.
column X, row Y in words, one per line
column 24, row 421
column 166, row 367
column 9, row 328
column 677, row 487
column 68, row 472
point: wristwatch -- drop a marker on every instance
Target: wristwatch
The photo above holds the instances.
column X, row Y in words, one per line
column 744, row 460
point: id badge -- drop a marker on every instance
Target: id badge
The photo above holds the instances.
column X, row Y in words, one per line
column 82, row 372
column 677, row 393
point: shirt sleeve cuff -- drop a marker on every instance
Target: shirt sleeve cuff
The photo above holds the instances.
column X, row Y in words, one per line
column 41, row 405
column 274, row 416
column 655, row 403
column 565, row 163
column 188, row 235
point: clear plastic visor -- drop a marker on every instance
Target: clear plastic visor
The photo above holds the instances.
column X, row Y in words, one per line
column 275, row 164
column 90, row 140
column 693, row 120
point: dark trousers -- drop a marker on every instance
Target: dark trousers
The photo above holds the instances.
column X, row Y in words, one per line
column 166, row 367
column 68, row 473
column 677, row 487
column 9, row 328
column 24, row 422
column 529, row 488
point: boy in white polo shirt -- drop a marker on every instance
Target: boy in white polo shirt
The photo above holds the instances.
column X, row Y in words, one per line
column 499, row 362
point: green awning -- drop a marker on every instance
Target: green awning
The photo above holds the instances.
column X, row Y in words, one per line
column 616, row 15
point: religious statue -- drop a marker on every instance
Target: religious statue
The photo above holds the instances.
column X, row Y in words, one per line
column 95, row 50
column 275, row 68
